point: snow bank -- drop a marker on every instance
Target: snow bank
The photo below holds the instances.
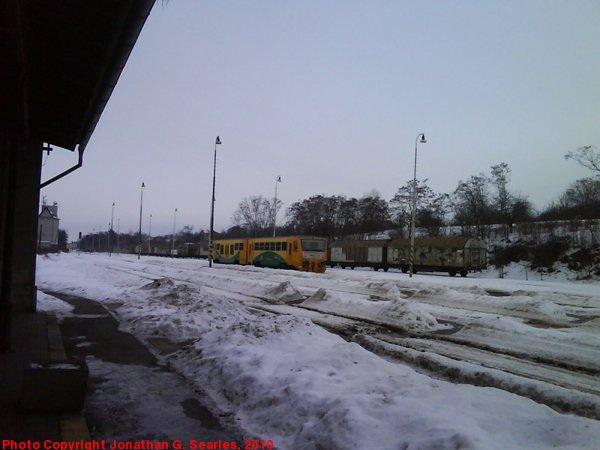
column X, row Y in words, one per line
column 397, row 312
column 286, row 379
column 54, row 305
column 284, row 292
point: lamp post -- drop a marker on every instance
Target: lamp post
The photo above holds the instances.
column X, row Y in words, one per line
column 150, row 234
column 112, row 216
column 173, row 235
column 118, row 232
column 140, row 230
column 277, row 180
column 414, row 206
column 212, row 208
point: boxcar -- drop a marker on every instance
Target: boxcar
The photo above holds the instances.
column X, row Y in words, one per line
column 305, row 253
column 366, row 253
column 442, row 254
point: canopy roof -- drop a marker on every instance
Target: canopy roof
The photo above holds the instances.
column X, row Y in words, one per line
column 73, row 52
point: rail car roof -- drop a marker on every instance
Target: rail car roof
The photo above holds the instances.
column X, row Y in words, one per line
column 360, row 243
column 270, row 238
column 447, row 241
column 443, row 241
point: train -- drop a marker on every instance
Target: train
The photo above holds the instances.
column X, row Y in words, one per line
column 455, row 255
column 304, row 253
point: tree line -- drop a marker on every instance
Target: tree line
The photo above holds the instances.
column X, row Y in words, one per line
column 128, row 242
column 478, row 201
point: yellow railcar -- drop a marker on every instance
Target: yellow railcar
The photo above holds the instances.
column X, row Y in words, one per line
column 231, row 251
column 305, row 253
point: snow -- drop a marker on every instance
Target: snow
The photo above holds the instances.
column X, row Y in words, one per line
column 396, row 312
column 287, row 379
column 48, row 303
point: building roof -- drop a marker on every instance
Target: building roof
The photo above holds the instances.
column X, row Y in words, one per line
column 72, row 54
column 47, row 212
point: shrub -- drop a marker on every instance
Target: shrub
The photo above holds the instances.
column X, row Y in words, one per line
column 544, row 255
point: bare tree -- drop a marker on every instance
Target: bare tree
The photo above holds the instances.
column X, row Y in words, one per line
column 503, row 199
column 255, row 214
column 582, row 192
column 433, row 215
column 373, row 213
column 401, row 204
column 471, row 202
column 588, row 157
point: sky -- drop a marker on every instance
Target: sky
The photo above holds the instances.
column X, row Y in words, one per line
column 331, row 97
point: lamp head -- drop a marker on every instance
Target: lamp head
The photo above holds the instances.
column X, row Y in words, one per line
column 218, row 141
column 423, row 141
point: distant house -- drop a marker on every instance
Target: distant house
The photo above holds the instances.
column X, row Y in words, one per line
column 48, row 228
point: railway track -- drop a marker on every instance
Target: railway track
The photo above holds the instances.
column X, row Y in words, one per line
column 569, row 387
column 309, row 285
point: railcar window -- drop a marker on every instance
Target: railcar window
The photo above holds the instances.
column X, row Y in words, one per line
column 313, row 245
column 271, row 245
column 241, row 246
column 284, row 246
column 256, row 246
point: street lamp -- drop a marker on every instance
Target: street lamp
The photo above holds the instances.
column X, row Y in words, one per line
column 150, row 234
column 212, row 208
column 414, row 206
column 112, row 216
column 173, row 236
column 140, row 230
column 277, row 180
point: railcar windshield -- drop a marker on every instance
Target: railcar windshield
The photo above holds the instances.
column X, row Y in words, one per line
column 313, row 245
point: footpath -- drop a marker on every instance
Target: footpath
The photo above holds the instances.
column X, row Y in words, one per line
column 131, row 398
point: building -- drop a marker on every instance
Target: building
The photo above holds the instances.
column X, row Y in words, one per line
column 48, row 228
column 60, row 64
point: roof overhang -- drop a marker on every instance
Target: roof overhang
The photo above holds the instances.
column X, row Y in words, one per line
column 73, row 54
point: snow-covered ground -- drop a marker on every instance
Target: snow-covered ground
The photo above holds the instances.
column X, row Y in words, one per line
column 249, row 338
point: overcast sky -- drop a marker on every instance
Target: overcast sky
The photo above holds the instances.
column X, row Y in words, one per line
column 331, row 96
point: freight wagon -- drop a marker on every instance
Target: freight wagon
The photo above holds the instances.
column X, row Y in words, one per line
column 442, row 254
column 305, row 253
